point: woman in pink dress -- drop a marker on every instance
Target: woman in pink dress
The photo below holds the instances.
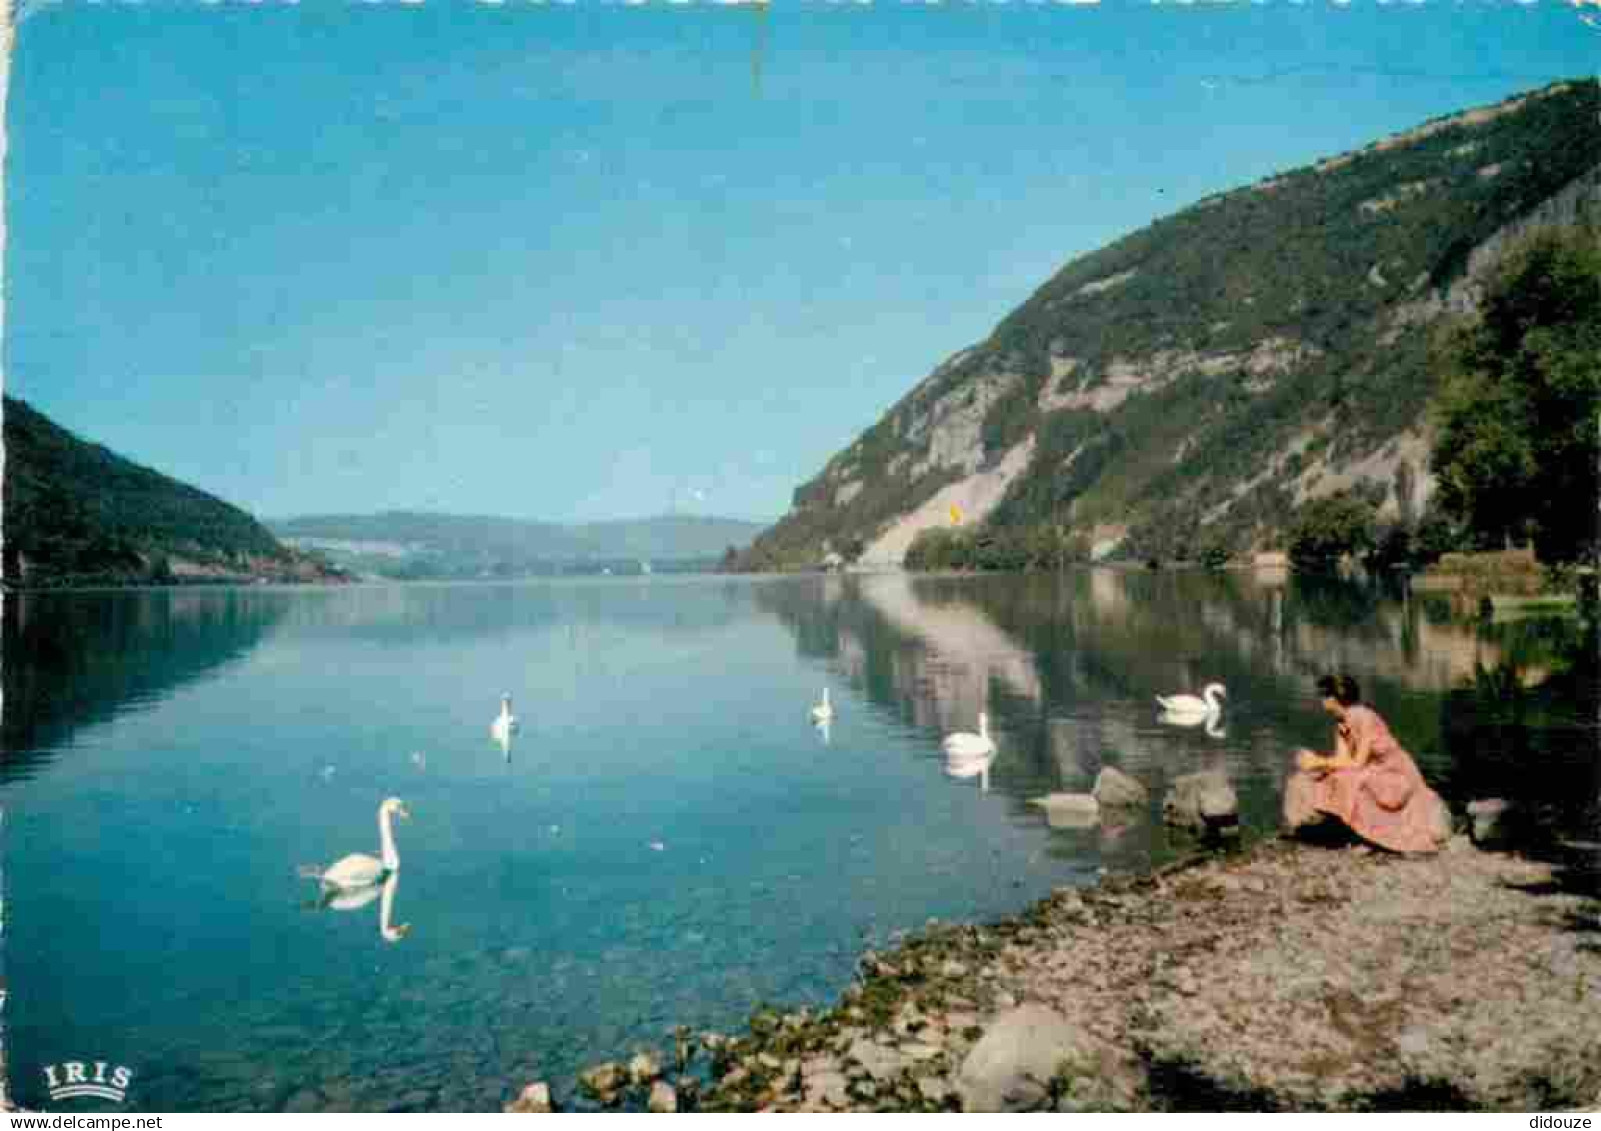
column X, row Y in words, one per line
column 1370, row 783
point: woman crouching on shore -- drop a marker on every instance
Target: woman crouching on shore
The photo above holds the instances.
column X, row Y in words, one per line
column 1370, row 783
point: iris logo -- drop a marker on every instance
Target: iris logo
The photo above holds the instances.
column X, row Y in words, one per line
column 73, row 1078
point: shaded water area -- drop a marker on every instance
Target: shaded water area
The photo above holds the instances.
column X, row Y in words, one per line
column 667, row 840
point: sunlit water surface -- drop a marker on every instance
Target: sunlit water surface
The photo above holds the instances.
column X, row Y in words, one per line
column 667, row 840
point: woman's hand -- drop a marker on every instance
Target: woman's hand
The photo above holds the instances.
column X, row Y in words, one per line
column 1310, row 762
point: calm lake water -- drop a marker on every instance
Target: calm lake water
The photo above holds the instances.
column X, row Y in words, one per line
column 668, row 840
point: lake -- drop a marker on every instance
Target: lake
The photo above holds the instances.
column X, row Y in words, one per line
column 667, row 839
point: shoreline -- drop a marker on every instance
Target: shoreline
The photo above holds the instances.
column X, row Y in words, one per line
column 1279, row 976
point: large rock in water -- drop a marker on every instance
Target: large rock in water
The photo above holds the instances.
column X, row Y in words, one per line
column 1205, row 803
column 1114, row 788
column 1011, row 1067
column 1069, row 810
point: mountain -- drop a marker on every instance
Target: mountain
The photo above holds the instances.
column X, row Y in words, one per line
column 1195, row 382
column 406, row 544
column 76, row 513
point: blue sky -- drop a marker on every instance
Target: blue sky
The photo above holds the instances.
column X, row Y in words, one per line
column 587, row 261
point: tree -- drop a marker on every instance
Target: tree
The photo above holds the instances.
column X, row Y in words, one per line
column 1327, row 529
column 1516, row 418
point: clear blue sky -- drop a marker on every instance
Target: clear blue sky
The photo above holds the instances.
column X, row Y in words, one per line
column 589, row 261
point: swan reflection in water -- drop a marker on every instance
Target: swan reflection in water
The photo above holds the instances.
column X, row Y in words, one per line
column 824, row 729
column 502, row 739
column 963, row 766
column 354, row 900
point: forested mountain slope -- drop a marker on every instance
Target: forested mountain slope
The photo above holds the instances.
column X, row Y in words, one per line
column 1198, row 380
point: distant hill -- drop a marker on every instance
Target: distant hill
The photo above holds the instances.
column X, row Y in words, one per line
column 76, row 513
column 1196, row 382
column 410, row 544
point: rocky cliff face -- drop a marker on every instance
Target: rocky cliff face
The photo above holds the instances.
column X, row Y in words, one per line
column 1207, row 375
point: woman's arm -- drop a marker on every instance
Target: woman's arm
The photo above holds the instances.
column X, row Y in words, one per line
column 1353, row 744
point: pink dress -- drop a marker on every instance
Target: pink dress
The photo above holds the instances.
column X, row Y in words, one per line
column 1385, row 801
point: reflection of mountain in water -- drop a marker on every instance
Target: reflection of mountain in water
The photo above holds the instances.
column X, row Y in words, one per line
column 437, row 613
column 1067, row 665
column 72, row 660
column 75, row 659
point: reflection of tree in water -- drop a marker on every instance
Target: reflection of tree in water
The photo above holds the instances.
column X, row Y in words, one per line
column 74, row 660
column 1067, row 664
column 923, row 654
column 1526, row 728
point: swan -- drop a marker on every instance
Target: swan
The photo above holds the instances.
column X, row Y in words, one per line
column 359, row 870
column 823, row 712
column 357, row 898
column 506, row 722
column 1183, row 705
column 967, row 745
column 958, row 766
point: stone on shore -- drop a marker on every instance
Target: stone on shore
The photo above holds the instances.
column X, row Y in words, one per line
column 1466, row 994
column 642, row 1069
column 533, row 1099
column 1204, row 803
column 1288, row 977
column 663, row 1099
column 1012, row 1066
column 604, row 1081
column 1114, row 788
column 1069, row 810
column 1492, row 822
column 876, row 1060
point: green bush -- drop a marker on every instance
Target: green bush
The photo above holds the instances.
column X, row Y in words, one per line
column 1327, row 529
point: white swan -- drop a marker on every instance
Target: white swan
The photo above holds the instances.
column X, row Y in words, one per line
column 1187, row 705
column 823, row 712
column 958, row 766
column 506, row 722
column 357, row 898
column 964, row 744
column 359, row 870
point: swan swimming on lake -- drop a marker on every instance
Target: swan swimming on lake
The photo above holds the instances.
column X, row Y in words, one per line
column 357, row 898
column 958, row 766
column 359, row 870
column 823, row 712
column 1212, row 719
column 506, row 722
column 965, row 744
column 1193, row 705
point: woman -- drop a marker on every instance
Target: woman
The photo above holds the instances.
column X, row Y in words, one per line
column 1370, row 782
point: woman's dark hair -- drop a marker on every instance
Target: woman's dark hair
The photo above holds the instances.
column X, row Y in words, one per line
column 1340, row 687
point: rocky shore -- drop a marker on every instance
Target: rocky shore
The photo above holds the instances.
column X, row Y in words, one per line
column 1285, row 976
